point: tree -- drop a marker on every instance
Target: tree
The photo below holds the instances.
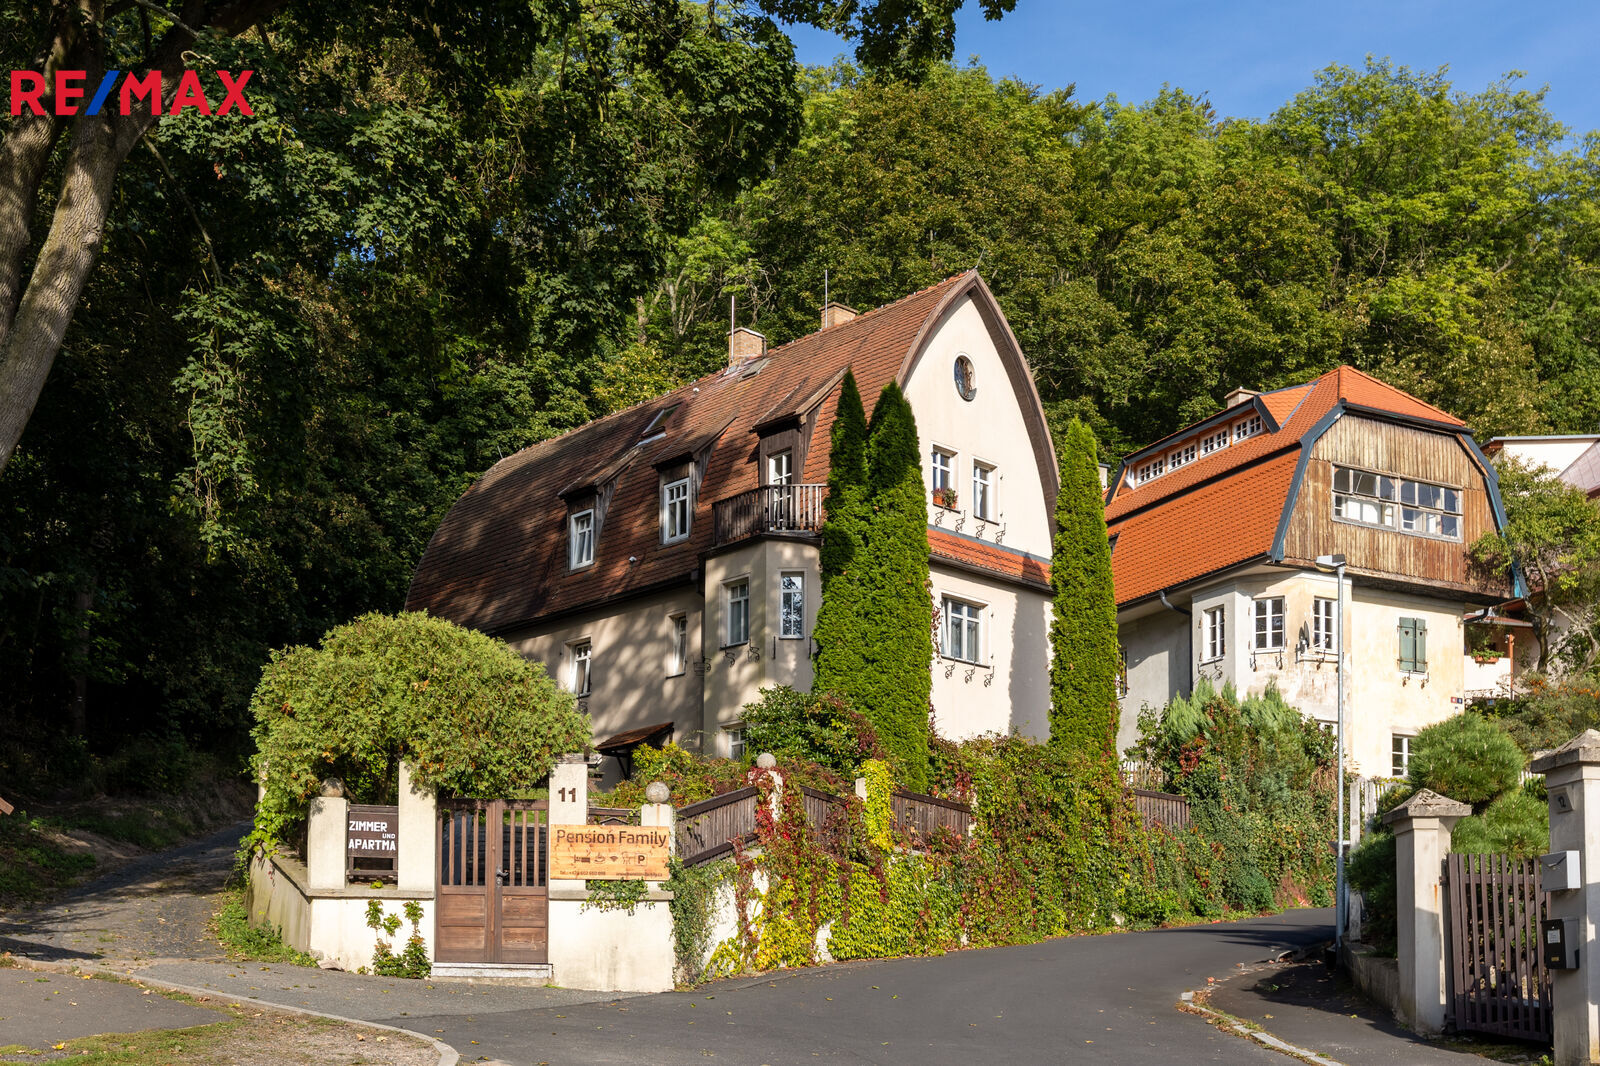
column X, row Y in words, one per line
column 842, row 629
column 1083, row 623
column 1552, row 538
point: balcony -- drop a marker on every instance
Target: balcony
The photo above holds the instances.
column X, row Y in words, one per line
column 769, row 509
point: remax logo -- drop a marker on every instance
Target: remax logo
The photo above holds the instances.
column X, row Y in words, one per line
column 142, row 91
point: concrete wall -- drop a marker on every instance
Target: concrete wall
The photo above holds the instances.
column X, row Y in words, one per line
column 989, row 428
column 1010, row 691
column 1158, row 654
column 611, row 951
column 1555, row 454
column 276, row 900
column 328, row 924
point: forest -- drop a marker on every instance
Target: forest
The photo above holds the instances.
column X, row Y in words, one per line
column 308, row 330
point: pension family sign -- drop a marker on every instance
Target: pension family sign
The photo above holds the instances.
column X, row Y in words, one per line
column 609, row 852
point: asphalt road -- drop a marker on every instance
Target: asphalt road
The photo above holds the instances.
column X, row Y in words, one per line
column 1088, row 999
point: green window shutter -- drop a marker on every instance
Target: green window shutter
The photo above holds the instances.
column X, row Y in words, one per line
column 1421, row 658
column 1408, row 643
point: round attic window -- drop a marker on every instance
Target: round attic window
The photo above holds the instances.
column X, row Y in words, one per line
column 966, row 378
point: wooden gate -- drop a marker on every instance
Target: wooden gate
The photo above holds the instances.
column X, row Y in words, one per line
column 493, row 902
column 1499, row 982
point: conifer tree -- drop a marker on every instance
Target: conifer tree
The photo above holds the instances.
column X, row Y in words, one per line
column 839, row 631
column 1083, row 627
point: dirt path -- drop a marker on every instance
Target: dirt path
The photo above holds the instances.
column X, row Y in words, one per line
column 158, row 906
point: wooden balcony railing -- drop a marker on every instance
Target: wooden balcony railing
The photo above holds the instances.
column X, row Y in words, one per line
column 769, row 509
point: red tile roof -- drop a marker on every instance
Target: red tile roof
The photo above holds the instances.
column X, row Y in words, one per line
column 1223, row 508
column 995, row 558
column 498, row 561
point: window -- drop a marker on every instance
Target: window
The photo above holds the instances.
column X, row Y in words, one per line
column 1214, row 443
column 791, row 606
column 944, row 470
column 738, row 603
column 1401, row 747
column 1424, row 509
column 1122, row 671
column 1413, row 645
column 578, row 667
column 1269, row 624
column 1215, row 644
column 963, row 628
column 580, row 539
column 780, row 468
column 675, row 511
column 1322, row 624
column 982, row 491
column 680, row 646
column 1247, row 428
column 1182, row 456
column 735, row 742
column 1148, row 471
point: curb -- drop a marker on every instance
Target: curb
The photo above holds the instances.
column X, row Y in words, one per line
column 1187, row 1004
column 448, row 1056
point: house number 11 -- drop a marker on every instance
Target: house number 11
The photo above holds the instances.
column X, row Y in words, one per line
column 567, row 795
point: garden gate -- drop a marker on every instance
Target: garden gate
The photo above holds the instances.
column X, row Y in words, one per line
column 1498, row 979
column 493, row 897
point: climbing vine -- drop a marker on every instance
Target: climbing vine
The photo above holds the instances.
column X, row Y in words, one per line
column 413, row 958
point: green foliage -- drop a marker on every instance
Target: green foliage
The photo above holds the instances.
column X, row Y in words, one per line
column 878, row 815
column 1515, row 823
column 241, row 940
column 412, row 962
column 1083, row 623
column 690, row 776
column 843, row 620
column 1467, row 758
column 694, row 896
column 819, row 728
column 625, row 895
column 1371, row 871
column 33, row 864
column 1545, row 713
column 470, row 715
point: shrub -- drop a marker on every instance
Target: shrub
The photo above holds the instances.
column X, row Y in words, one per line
column 471, row 715
column 1547, row 713
column 1468, row 758
column 1515, row 823
column 823, row 729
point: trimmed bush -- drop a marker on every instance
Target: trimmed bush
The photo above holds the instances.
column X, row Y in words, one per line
column 1468, row 758
column 841, row 629
column 822, row 728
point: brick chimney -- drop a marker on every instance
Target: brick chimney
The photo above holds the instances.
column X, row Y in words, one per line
column 744, row 344
column 1237, row 397
column 836, row 314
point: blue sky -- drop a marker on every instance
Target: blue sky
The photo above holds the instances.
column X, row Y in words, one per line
column 1249, row 57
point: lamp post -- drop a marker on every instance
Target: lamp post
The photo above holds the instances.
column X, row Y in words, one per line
column 1335, row 563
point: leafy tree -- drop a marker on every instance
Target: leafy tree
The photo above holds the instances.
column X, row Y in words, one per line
column 1083, row 622
column 470, row 715
column 842, row 628
column 1552, row 538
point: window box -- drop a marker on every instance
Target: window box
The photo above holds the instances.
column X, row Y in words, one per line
column 945, row 498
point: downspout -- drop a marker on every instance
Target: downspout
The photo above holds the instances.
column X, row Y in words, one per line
column 1169, row 605
column 1188, row 638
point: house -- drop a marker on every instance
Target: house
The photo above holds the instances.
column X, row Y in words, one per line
column 662, row 562
column 1217, row 527
column 1575, row 458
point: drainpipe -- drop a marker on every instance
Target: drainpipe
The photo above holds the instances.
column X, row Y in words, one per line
column 1169, row 605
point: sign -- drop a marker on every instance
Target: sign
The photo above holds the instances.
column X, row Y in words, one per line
column 374, row 832
column 609, row 852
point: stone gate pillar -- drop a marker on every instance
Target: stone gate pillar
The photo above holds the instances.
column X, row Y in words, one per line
column 1572, row 777
column 1422, row 827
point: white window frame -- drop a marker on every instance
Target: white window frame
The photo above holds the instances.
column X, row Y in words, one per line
column 1324, row 624
column 787, row 476
column 785, row 596
column 1405, row 505
column 1214, row 633
column 580, row 652
column 1215, row 442
column 969, row 616
column 1403, row 742
column 1183, row 456
column 983, row 488
column 1246, row 428
column 1274, row 610
column 579, row 540
column 728, row 600
column 735, row 740
column 1149, row 471
column 677, row 514
column 678, row 656
column 942, row 475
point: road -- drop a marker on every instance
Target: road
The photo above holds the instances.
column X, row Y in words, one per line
column 1088, row 999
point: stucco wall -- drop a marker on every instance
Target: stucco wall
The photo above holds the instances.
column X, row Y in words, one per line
column 1556, row 455
column 1157, row 651
column 1009, row 691
column 331, row 926
column 990, row 428
column 611, row 950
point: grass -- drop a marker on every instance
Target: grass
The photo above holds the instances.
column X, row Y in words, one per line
column 33, row 867
column 231, row 926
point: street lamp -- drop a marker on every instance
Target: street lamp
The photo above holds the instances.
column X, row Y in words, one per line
column 1335, row 563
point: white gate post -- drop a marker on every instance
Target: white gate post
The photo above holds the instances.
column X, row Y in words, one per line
column 327, row 829
column 1422, row 827
column 1572, row 777
column 417, row 867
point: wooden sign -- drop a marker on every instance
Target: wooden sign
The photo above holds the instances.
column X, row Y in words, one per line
column 609, row 852
column 374, row 832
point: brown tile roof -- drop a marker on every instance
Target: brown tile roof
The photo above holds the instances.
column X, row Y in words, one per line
column 995, row 558
column 1224, row 508
column 498, row 561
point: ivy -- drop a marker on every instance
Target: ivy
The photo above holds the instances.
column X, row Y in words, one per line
column 624, row 895
column 413, row 959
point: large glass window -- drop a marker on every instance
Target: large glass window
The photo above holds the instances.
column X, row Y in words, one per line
column 1372, row 499
column 578, row 672
column 963, row 631
column 580, row 539
column 982, row 491
column 675, row 512
column 1215, row 633
column 738, row 613
column 792, row 606
column 1269, row 624
column 1322, row 624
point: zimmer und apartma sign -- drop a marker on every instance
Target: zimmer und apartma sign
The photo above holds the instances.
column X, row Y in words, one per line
column 609, row 852
column 373, row 838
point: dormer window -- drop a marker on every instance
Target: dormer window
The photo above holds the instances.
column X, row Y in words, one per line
column 1214, row 443
column 1247, row 428
column 780, row 467
column 1182, row 457
column 1149, row 471
column 580, row 539
column 676, row 512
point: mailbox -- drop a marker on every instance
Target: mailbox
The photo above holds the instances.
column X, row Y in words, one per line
column 1559, row 871
column 1559, row 938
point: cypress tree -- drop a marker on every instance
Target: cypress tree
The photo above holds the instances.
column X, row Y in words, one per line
column 839, row 631
column 1083, row 627
column 893, row 692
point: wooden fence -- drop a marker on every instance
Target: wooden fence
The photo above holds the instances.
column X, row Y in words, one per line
column 1498, row 980
column 1161, row 808
column 707, row 830
column 921, row 816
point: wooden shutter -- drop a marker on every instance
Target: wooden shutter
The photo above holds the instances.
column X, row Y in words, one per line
column 1408, row 644
column 1421, row 658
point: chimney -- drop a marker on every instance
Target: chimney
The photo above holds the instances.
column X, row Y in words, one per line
column 744, row 344
column 1237, row 397
column 836, row 314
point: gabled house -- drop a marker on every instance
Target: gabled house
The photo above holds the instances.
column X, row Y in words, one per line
column 1216, row 529
column 662, row 561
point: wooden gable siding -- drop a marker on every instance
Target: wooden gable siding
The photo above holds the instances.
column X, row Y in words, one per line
column 1408, row 452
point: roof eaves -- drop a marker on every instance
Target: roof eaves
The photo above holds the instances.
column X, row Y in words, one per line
column 1221, row 475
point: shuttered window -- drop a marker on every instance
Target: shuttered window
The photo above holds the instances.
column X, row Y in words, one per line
column 1414, row 645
